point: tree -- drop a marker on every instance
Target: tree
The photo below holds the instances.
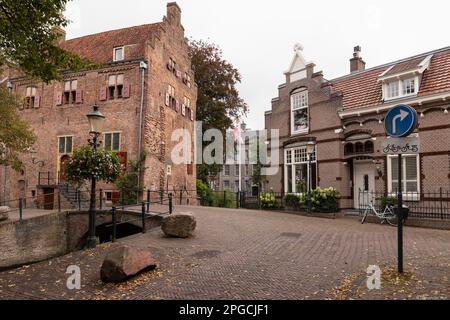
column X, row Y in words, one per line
column 218, row 101
column 128, row 182
column 28, row 38
column 16, row 136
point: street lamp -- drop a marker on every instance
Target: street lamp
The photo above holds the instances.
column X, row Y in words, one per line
column 96, row 120
column 310, row 149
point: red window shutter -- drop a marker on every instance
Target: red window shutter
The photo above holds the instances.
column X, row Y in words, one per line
column 103, row 94
column 177, row 106
column 167, row 99
column 115, row 197
column 59, row 97
column 37, row 102
column 192, row 115
column 126, row 91
column 183, row 110
column 79, row 97
column 123, row 160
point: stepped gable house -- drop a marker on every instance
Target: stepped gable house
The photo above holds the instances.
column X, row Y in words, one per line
column 343, row 119
column 145, row 87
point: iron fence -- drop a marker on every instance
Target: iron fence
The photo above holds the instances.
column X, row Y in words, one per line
column 423, row 205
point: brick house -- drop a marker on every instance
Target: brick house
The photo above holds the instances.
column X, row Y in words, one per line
column 144, row 86
column 343, row 120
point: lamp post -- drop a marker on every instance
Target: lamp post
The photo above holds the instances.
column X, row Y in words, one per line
column 310, row 149
column 96, row 120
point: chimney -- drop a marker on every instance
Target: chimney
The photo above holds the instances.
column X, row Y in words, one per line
column 173, row 13
column 60, row 33
column 357, row 63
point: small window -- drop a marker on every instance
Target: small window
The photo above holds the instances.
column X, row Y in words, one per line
column 65, row 145
column 30, row 97
column 227, row 170
column 112, row 141
column 70, row 91
column 410, row 173
column 300, row 111
column 409, row 87
column 393, row 90
column 118, row 54
column 226, row 184
column 237, row 169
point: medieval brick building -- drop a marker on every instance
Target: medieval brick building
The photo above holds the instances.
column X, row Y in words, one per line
column 144, row 86
column 343, row 120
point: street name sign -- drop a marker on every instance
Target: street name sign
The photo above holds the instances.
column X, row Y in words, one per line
column 400, row 121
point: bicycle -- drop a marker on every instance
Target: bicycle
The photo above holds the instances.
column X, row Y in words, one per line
column 388, row 215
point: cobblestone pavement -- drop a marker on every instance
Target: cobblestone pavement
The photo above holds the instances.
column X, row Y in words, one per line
column 242, row 254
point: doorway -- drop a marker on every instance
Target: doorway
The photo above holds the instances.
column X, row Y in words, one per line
column 49, row 198
column 363, row 183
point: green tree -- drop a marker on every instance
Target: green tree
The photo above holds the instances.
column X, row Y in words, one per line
column 128, row 182
column 28, row 39
column 218, row 101
column 16, row 136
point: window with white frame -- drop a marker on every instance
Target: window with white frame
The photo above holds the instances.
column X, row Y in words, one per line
column 30, row 97
column 409, row 86
column 400, row 88
column 299, row 175
column 118, row 54
column 112, row 141
column 410, row 174
column 299, row 111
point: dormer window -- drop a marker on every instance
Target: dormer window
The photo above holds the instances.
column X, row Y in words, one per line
column 401, row 88
column 409, row 86
column 118, row 54
column 393, row 91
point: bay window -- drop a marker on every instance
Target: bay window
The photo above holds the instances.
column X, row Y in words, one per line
column 300, row 170
column 299, row 111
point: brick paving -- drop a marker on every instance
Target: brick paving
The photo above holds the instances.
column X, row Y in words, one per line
column 242, row 254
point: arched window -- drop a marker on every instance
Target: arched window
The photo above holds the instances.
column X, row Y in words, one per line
column 368, row 147
column 348, row 149
column 299, row 111
column 359, row 147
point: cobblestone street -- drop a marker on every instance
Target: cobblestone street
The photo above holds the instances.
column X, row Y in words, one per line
column 241, row 254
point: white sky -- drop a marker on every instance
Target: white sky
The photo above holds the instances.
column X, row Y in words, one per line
column 258, row 37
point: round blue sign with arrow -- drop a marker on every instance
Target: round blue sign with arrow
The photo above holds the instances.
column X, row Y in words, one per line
column 401, row 121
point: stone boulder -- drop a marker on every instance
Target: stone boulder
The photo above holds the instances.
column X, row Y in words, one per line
column 4, row 213
column 180, row 225
column 124, row 262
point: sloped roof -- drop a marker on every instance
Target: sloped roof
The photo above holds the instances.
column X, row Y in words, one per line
column 363, row 89
column 99, row 47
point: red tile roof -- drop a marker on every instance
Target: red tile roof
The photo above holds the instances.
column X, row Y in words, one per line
column 364, row 90
column 99, row 47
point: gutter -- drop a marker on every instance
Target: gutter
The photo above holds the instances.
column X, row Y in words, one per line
column 142, row 66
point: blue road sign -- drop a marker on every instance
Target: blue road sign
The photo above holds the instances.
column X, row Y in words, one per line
column 400, row 121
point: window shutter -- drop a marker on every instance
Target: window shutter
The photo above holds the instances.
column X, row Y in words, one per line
column 123, row 160
column 103, row 94
column 59, row 98
column 79, row 97
column 177, row 106
column 126, row 91
column 37, row 102
column 192, row 115
column 167, row 99
column 183, row 110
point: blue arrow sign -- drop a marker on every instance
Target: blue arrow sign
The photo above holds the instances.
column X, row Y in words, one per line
column 400, row 121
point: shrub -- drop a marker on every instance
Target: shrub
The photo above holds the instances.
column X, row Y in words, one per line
column 388, row 201
column 322, row 200
column 292, row 200
column 267, row 200
column 210, row 198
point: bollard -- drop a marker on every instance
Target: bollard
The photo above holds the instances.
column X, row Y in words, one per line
column 20, row 209
column 143, row 217
column 161, row 196
column 170, row 203
column 114, row 221
column 148, row 201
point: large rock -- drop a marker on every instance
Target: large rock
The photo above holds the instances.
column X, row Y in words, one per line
column 125, row 262
column 4, row 213
column 180, row 225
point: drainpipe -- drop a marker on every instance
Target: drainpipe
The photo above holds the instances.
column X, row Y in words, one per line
column 143, row 66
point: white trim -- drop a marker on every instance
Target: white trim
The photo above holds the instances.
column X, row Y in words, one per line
column 385, row 106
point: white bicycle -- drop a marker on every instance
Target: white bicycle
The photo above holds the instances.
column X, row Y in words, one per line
column 388, row 215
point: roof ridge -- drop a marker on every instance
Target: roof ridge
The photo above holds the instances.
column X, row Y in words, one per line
column 119, row 29
column 391, row 63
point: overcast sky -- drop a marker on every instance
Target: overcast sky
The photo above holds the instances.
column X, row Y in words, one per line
column 258, row 36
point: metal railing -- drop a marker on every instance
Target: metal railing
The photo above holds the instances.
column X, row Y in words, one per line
column 422, row 205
